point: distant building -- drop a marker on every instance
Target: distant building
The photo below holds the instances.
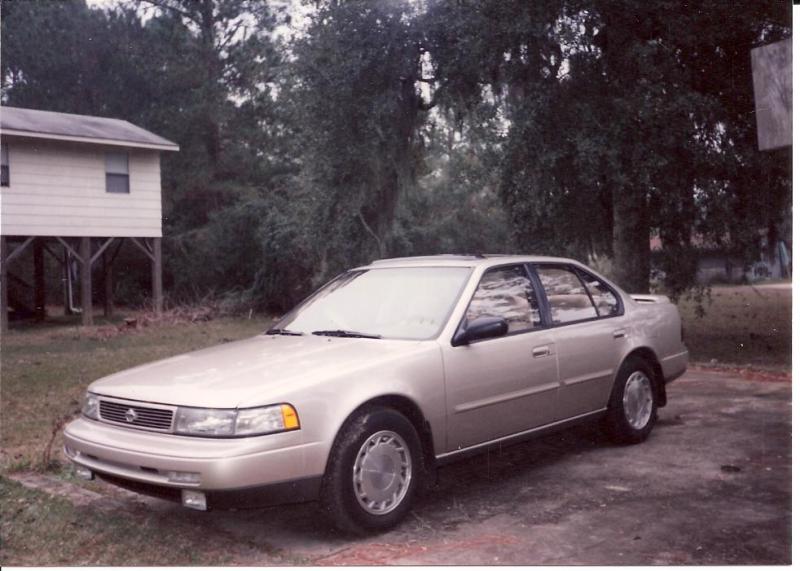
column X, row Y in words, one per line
column 76, row 186
column 716, row 264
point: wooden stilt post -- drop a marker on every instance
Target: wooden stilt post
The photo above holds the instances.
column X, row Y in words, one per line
column 108, row 289
column 65, row 279
column 39, row 296
column 86, row 281
column 158, row 293
column 3, row 285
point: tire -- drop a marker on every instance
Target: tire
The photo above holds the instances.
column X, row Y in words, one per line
column 630, row 420
column 358, row 500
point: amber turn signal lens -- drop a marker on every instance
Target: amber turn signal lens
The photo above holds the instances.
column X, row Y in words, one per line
column 290, row 419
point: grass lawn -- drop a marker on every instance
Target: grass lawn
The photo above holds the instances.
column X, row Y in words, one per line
column 743, row 325
column 38, row 529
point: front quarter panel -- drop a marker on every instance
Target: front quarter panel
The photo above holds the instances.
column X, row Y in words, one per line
column 324, row 407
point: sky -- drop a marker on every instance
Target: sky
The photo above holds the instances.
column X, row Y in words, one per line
column 297, row 10
column 101, row 3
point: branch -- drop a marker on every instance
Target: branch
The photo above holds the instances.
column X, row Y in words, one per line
column 231, row 33
column 165, row 5
column 371, row 232
column 432, row 103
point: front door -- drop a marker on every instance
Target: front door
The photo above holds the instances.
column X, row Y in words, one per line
column 501, row 386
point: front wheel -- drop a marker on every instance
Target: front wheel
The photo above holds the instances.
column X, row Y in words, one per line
column 375, row 464
column 632, row 408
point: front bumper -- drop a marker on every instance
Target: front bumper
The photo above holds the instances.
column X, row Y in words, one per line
column 292, row 492
column 150, row 460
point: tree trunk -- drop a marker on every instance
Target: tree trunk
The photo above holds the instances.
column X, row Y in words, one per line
column 631, row 220
column 213, row 71
column 394, row 171
column 631, row 239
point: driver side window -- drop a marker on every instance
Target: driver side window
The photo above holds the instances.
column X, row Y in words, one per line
column 506, row 292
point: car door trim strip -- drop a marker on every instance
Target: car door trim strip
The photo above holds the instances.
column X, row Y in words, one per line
column 602, row 375
column 521, row 435
column 468, row 406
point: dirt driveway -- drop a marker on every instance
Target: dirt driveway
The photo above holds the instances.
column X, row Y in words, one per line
column 711, row 485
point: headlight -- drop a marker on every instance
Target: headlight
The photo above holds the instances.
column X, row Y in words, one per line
column 90, row 408
column 205, row 422
column 244, row 422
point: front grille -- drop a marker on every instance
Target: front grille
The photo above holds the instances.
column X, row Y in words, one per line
column 136, row 415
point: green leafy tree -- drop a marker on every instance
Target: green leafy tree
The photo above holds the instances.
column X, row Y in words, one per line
column 625, row 120
column 358, row 73
column 455, row 206
column 399, row 127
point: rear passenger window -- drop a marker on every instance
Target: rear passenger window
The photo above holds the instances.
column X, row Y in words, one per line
column 506, row 292
column 566, row 295
column 604, row 299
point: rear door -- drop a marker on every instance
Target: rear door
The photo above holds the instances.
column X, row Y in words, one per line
column 504, row 385
column 584, row 315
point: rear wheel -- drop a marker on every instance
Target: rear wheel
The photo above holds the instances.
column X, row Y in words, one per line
column 374, row 468
column 632, row 407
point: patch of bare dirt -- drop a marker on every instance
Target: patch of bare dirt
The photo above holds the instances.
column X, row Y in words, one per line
column 76, row 495
column 746, row 372
column 386, row 553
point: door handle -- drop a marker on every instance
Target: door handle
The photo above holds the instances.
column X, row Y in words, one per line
column 619, row 333
column 542, row 351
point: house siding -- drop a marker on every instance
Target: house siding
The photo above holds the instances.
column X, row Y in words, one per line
column 59, row 189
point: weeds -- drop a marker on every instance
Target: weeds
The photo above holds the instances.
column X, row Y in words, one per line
column 47, row 463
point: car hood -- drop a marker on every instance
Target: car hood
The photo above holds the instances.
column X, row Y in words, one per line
column 251, row 372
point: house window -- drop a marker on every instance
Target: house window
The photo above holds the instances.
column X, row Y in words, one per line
column 117, row 179
column 5, row 178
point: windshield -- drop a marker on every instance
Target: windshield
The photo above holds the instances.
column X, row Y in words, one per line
column 398, row 303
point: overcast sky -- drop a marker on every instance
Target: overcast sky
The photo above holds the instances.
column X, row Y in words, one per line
column 297, row 10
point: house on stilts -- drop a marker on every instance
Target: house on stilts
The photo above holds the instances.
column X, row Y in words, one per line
column 76, row 187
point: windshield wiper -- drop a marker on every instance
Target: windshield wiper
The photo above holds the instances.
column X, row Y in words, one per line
column 344, row 333
column 282, row 332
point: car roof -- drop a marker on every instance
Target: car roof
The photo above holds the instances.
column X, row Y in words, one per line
column 462, row 260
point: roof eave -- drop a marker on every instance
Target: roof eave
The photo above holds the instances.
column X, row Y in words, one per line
column 91, row 140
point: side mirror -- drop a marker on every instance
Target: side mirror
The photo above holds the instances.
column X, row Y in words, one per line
column 481, row 328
